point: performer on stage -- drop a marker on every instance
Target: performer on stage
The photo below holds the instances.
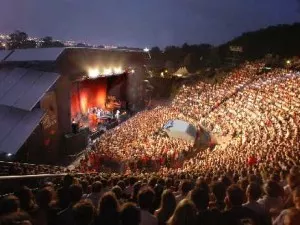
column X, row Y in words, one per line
column 117, row 115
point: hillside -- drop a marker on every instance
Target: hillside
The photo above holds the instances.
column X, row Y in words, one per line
column 282, row 40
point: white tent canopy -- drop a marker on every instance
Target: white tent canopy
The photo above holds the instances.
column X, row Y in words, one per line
column 180, row 129
column 182, row 72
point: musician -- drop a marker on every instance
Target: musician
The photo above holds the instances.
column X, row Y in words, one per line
column 99, row 113
column 117, row 115
column 75, row 126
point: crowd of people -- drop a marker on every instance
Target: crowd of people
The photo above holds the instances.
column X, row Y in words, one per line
column 256, row 113
column 250, row 178
column 16, row 168
column 135, row 144
column 228, row 198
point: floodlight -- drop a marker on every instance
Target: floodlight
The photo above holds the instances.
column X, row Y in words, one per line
column 93, row 73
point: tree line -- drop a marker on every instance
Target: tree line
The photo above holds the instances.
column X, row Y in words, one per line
column 275, row 42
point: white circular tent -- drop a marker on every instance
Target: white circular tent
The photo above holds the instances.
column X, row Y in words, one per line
column 180, row 129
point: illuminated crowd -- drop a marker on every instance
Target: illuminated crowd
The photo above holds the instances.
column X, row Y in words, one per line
column 249, row 175
column 257, row 113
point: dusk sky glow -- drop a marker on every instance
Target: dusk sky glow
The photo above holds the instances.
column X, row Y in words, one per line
column 141, row 23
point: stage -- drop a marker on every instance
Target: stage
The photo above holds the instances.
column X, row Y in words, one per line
column 95, row 103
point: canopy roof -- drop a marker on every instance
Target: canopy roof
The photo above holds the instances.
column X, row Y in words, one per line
column 16, row 126
column 23, row 88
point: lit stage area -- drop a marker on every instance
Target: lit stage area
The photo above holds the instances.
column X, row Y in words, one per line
column 99, row 99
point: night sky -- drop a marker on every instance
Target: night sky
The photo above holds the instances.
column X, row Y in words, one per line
column 141, row 23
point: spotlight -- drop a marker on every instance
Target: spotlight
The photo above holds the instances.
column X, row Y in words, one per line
column 146, row 49
column 93, row 73
column 107, row 71
column 8, row 155
column 118, row 70
column 132, row 71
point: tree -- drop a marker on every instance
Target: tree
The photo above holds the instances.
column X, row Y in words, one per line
column 187, row 60
column 81, row 45
column 47, row 42
column 170, row 66
column 214, row 60
column 2, row 46
column 19, row 39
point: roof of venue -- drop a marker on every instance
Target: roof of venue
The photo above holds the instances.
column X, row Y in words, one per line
column 23, row 88
column 51, row 54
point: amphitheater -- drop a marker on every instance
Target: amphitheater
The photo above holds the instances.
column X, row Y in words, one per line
column 251, row 174
column 257, row 115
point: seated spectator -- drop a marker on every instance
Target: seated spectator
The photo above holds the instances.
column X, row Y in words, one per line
column 235, row 213
column 272, row 202
column 184, row 190
column 145, row 201
column 130, row 214
column 108, row 211
column 66, row 216
column 158, row 190
column 166, row 208
column 292, row 217
column 253, row 193
column 83, row 212
column 280, row 220
column 16, row 218
column 45, row 213
column 27, row 201
column 96, row 193
column 118, row 192
column 293, row 180
column 219, row 193
column 63, row 193
column 136, row 188
column 9, row 204
column 185, row 214
column 200, row 198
